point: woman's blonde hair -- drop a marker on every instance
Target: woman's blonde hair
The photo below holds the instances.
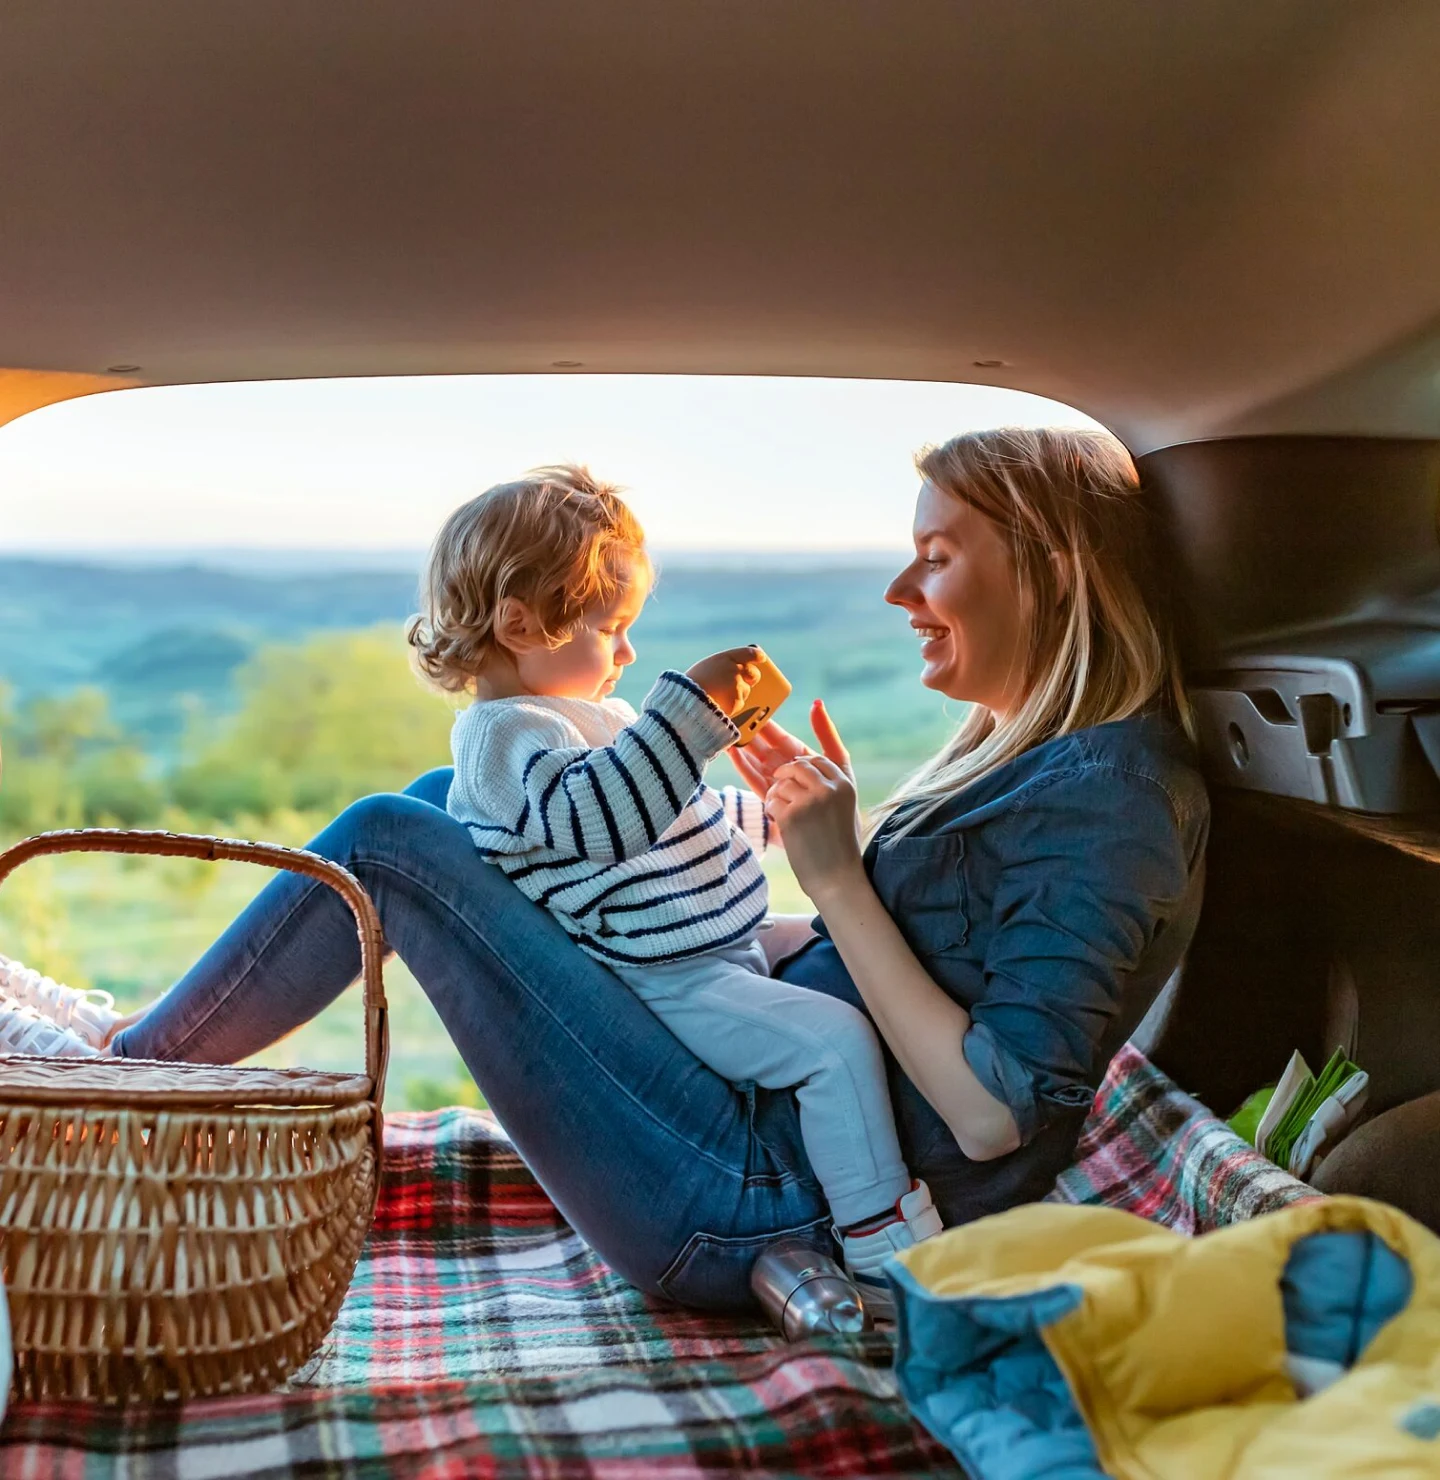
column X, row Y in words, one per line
column 1100, row 644
column 559, row 540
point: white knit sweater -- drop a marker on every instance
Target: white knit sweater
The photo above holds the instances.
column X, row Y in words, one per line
column 603, row 817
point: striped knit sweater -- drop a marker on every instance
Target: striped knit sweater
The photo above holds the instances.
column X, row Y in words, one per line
column 603, row 817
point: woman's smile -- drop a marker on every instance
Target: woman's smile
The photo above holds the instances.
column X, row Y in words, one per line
column 930, row 639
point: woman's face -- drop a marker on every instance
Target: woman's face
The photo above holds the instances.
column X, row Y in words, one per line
column 963, row 597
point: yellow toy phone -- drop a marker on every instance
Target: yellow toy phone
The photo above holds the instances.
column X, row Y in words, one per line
column 763, row 700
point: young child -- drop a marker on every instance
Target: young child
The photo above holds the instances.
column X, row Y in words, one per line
column 603, row 817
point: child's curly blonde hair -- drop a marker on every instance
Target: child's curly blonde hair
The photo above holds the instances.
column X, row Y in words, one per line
column 558, row 540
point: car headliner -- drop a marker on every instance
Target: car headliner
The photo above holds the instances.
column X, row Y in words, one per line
column 1188, row 220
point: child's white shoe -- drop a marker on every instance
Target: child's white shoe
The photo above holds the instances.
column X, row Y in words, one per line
column 866, row 1253
column 23, row 1030
column 89, row 1015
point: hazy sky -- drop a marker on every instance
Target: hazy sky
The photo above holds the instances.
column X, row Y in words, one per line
column 710, row 462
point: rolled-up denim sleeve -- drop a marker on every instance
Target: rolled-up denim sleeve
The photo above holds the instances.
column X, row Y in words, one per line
column 1094, row 865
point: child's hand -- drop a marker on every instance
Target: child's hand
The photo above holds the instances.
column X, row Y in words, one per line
column 728, row 677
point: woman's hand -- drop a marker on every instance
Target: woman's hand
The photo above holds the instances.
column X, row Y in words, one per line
column 774, row 746
column 811, row 798
column 769, row 749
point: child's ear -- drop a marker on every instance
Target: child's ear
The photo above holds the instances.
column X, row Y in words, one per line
column 517, row 629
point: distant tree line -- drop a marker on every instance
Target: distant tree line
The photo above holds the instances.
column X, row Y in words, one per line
column 319, row 723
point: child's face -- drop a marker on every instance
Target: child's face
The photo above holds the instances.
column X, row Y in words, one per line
column 588, row 664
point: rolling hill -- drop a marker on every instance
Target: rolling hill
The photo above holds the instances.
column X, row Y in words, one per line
column 165, row 639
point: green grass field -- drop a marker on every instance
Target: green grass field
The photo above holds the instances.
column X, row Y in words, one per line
column 206, row 694
column 133, row 925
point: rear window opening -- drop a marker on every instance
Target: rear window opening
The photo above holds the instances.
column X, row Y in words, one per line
column 203, row 588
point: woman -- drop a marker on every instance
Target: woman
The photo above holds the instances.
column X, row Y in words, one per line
column 1017, row 907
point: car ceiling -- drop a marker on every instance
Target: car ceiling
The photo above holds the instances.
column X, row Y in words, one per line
column 1187, row 220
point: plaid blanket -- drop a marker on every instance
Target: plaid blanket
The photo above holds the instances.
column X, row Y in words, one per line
column 482, row 1338
column 1152, row 1150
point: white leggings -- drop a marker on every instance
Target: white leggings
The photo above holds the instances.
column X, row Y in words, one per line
column 732, row 1015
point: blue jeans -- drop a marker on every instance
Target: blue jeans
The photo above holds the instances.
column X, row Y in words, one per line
column 675, row 1176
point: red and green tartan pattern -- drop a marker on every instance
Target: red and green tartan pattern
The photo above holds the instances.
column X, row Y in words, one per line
column 481, row 1338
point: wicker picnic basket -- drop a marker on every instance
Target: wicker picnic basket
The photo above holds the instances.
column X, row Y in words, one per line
column 170, row 1231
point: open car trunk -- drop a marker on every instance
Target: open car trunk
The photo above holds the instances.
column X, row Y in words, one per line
column 1211, row 226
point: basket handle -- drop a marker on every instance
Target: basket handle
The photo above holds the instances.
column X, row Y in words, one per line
column 271, row 855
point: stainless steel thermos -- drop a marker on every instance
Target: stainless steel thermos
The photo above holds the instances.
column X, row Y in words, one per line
column 804, row 1291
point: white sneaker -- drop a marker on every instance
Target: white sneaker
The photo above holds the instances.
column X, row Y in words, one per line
column 866, row 1254
column 23, row 1030
column 90, row 1015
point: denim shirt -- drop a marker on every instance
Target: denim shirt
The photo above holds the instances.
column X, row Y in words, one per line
column 1052, row 899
